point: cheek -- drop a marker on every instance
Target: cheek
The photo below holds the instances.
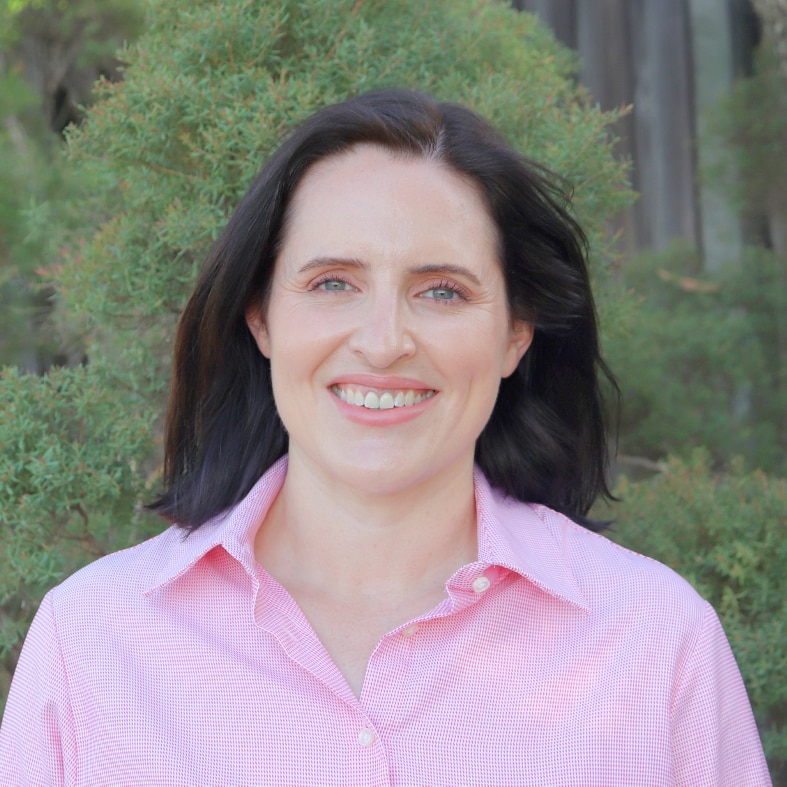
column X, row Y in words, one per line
column 288, row 329
column 301, row 340
column 473, row 355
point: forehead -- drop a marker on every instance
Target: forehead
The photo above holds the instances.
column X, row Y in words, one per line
column 370, row 193
column 380, row 167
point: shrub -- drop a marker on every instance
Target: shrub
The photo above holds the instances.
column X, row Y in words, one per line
column 700, row 362
column 69, row 481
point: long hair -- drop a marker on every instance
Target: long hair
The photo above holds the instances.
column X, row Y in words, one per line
column 546, row 440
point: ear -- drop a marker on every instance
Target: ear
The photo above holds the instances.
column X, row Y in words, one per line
column 256, row 322
column 520, row 337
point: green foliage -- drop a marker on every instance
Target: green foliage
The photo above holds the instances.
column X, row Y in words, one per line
column 725, row 534
column 752, row 125
column 66, row 499
column 45, row 45
column 29, row 172
column 700, row 362
column 160, row 162
column 101, row 26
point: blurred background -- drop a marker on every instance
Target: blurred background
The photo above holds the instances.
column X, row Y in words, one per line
column 129, row 128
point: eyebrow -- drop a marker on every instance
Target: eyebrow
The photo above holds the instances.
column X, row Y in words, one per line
column 353, row 262
column 321, row 262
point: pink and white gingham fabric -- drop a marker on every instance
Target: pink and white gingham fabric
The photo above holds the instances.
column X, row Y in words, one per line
column 557, row 659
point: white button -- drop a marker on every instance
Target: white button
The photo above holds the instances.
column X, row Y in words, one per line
column 408, row 631
column 480, row 584
column 366, row 737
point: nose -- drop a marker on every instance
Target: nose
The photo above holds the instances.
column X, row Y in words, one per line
column 383, row 336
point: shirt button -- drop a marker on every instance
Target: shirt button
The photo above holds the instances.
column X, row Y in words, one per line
column 409, row 631
column 480, row 584
column 366, row 737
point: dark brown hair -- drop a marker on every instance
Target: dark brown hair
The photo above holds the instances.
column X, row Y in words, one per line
column 546, row 440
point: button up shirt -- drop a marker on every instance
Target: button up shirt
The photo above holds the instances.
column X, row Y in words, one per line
column 557, row 658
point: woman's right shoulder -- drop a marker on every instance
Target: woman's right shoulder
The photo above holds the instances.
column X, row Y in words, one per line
column 121, row 575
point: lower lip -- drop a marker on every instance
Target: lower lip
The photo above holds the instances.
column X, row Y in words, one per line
column 390, row 417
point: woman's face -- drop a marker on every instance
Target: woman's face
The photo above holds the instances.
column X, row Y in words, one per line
column 387, row 325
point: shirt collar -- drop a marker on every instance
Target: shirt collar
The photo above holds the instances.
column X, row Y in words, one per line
column 511, row 534
column 529, row 540
column 234, row 530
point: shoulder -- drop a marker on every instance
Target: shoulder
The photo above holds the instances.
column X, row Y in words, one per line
column 615, row 585
column 619, row 582
column 127, row 587
column 601, row 565
column 118, row 578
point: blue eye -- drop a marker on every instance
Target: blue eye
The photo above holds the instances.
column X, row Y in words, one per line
column 334, row 285
column 441, row 294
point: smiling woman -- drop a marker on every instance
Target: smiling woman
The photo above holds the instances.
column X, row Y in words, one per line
column 384, row 437
column 545, row 440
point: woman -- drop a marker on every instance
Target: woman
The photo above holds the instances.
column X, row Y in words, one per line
column 384, row 437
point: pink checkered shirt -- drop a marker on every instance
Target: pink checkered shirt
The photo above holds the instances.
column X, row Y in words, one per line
column 558, row 658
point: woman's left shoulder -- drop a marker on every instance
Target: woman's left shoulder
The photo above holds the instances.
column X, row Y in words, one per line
column 613, row 577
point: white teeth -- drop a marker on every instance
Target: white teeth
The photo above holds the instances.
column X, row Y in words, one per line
column 371, row 401
column 386, row 400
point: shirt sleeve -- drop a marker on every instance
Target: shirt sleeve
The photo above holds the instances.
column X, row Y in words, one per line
column 715, row 738
column 37, row 740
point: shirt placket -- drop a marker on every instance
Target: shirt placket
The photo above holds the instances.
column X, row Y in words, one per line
column 366, row 762
column 390, row 686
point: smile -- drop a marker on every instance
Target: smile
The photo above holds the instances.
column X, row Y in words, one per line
column 380, row 400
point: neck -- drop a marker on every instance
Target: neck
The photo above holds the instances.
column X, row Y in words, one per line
column 324, row 534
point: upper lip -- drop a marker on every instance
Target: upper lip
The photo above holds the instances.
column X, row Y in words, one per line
column 383, row 382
